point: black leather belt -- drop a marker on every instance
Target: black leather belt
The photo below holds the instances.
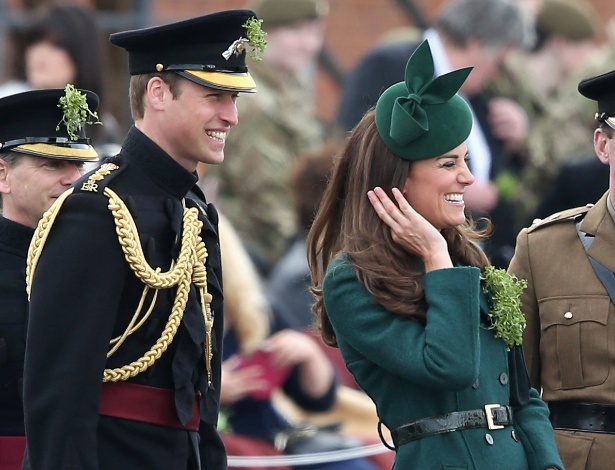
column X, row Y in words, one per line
column 489, row 417
column 588, row 417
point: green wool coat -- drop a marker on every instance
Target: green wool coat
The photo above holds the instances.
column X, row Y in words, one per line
column 412, row 371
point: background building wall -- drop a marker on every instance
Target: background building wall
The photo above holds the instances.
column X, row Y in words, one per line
column 353, row 27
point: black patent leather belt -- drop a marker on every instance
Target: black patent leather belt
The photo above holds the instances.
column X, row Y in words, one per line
column 489, row 417
column 577, row 416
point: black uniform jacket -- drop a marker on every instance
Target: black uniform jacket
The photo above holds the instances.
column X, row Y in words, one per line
column 84, row 293
column 14, row 241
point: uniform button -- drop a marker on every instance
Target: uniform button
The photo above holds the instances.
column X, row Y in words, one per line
column 514, row 436
column 489, row 439
column 503, row 378
column 476, row 384
column 568, row 315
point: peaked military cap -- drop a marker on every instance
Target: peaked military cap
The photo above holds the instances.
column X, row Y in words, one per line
column 31, row 123
column 601, row 88
column 209, row 50
column 424, row 117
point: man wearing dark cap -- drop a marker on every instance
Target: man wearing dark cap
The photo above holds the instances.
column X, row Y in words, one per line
column 122, row 365
column 38, row 162
column 567, row 259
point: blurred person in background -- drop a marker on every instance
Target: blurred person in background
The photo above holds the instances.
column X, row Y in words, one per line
column 276, row 125
column 61, row 44
column 543, row 80
column 479, row 33
column 266, row 361
column 288, row 285
column 37, row 163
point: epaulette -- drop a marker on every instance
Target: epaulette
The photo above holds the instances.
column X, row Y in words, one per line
column 567, row 215
column 97, row 180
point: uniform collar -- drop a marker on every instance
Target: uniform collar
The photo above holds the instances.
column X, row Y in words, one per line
column 598, row 223
column 609, row 206
column 160, row 167
column 15, row 235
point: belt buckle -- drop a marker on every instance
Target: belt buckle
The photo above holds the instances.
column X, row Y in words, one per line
column 490, row 424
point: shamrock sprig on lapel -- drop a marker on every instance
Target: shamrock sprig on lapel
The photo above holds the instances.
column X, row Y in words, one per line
column 505, row 296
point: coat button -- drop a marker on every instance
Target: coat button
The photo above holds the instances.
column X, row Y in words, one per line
column 568, row 315
column 489, row 439
column 476, row 384
column 513, row 434
column 503, row 378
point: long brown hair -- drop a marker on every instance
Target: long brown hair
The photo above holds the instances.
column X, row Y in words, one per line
column 347, row 223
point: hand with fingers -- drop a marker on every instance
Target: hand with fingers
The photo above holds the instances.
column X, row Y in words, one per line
column 411, row 230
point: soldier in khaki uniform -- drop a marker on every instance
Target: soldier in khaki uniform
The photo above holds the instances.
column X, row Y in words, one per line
column 568, row 306
column 543, row 81
column 276, row 126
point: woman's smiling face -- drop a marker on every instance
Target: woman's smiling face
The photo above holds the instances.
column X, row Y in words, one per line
column 435, row 187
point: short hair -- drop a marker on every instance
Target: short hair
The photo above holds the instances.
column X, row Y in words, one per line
column 606, row 129
column 496, row 23
column 138, row 84
column 10, row 158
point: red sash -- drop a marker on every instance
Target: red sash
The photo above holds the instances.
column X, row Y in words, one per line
column 12, row 449
column 146, row 404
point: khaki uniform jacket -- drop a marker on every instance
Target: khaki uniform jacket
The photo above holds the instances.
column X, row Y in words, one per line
column 570, row 334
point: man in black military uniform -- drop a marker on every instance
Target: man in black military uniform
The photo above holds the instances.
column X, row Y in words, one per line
column 37, row 164
column 122, row 365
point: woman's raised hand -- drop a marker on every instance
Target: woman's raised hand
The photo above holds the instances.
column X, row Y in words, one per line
column 410, row 229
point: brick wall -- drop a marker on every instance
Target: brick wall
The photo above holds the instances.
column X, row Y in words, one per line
column 353, row 27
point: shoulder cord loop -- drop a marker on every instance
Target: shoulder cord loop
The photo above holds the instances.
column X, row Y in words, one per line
column 189, row 267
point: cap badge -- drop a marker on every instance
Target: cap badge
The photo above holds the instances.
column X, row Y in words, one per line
column 238, row 46
column 255, row 44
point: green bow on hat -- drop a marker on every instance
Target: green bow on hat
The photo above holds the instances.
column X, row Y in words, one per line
column 423, row 117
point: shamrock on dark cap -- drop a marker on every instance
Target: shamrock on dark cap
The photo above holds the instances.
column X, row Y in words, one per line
column 601, row 88
column 209, row 50
column 424, row 117
column 34, row 123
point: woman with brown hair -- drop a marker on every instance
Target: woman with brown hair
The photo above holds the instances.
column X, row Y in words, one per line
column 427, row 327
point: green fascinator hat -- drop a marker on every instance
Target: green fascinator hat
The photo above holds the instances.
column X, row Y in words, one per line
column 423, row 117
